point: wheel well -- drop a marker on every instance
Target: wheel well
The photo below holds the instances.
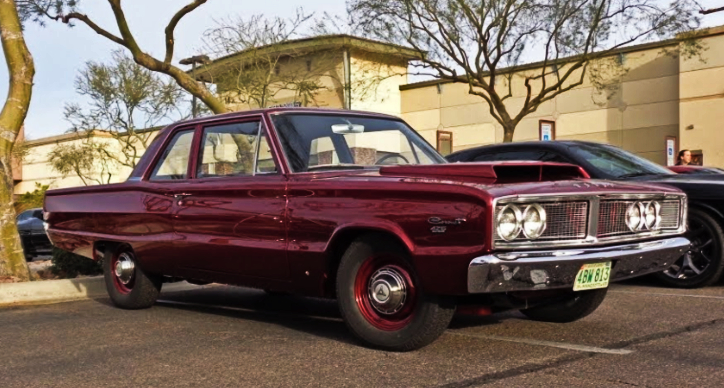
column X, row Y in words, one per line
column 338, row 246
column 101, row 247
column 712, row 211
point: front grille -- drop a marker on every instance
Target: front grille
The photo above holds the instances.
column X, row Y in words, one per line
column 564, row 220
column 612, row 217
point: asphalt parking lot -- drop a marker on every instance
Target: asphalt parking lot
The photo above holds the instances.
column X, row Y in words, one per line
column 643, row 335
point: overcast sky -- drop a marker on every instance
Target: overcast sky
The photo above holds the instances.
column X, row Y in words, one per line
column 59, row 51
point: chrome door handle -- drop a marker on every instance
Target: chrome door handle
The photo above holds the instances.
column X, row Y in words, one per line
column 181, row 196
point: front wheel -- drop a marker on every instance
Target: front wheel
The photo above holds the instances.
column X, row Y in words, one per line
column 570, row 308
column 702, row 265
column 381, row 300
column 129, row 286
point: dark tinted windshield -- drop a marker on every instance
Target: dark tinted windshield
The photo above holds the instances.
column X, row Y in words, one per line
column 616, row 162
column 315, row 142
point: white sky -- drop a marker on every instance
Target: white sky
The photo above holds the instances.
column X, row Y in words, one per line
column 59, row 51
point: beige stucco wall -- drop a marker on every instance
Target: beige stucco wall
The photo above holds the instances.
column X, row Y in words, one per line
column 702, row 102
column 37, row 169
column 661, row 95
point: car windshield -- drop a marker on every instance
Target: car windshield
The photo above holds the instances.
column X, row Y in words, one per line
column 316, row 142
column 616, row 162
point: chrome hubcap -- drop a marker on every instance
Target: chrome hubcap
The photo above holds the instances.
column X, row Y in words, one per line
column 387, row 290
column 124, row 268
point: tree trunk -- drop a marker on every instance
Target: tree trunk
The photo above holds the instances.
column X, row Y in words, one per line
column 508, row 131
column 21, row 71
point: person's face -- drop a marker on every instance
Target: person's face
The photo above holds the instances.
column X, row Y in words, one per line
column 686, row 158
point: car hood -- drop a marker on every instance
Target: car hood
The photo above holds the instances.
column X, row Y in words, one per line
column 517, row 179
column 695, row 186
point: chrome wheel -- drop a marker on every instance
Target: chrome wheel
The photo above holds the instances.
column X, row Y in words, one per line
column 123, row 269
column 387, row 290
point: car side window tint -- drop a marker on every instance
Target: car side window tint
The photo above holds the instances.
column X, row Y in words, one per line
column 25, row 215
column 231, row 150
column 174, row 160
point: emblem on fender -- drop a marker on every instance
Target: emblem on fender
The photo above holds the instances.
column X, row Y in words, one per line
column 441, row 224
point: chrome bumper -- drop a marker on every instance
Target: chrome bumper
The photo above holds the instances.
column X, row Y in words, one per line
column 551, row 269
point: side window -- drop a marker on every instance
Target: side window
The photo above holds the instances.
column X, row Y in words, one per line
column 174, row 161
column 25, row 215
column 231, row 150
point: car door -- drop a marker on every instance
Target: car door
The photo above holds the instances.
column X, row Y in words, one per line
column 231, row 216
column 38, row 237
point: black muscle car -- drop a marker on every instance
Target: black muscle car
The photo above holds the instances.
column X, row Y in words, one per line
column 703, row 264
column 32, row 234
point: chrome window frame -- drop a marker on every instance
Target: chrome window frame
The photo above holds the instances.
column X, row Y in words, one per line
column 594, row 203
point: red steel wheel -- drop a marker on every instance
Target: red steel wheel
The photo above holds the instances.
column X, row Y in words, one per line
column 128, row 285
column 382, row 300
column 385, row 293
column 123, row 271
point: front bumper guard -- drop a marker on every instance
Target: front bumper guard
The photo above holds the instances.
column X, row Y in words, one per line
column 552, row 269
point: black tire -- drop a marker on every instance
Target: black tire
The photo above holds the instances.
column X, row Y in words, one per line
column 142, row 289
column 420, row 318
column 707, row 259
column 579, row 305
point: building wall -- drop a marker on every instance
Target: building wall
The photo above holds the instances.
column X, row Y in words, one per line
column 661, row 95
column 702, row 103
column 36, row 167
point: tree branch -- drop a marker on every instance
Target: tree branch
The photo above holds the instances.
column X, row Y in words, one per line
column 172, row 26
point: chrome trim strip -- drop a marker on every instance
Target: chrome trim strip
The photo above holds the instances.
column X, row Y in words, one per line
column 551, row 269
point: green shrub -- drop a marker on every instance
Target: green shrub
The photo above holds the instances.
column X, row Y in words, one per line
column 69, row 265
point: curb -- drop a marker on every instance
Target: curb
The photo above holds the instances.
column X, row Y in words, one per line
column 65, row 290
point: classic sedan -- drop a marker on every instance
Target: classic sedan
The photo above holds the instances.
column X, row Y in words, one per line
column 703, row 264
column 358, row 207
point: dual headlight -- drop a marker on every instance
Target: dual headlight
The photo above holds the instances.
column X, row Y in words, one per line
column 643, row 216
column 512, row 220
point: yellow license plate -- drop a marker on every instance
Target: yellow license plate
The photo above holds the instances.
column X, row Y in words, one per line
column 593, row 276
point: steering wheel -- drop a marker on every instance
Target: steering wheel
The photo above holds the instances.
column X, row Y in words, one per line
column 392, row 155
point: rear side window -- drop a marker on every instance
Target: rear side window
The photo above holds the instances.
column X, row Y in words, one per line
column 174, row 161
column 237, row 149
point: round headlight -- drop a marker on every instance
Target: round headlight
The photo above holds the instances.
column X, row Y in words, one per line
column 509, row 222
column 534, row 221
column 652, row 216
column 634, row 216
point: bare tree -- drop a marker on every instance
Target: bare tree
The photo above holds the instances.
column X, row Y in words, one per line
column 126, row 100
column 21, row 70
column 87, row 160
column 480, row 42
column 126, row 39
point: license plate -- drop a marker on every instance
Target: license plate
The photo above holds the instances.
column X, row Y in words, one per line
column 592, row 276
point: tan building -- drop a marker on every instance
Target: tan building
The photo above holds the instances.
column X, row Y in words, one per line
column 661, row 97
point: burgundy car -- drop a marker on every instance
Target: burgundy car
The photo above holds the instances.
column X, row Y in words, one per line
column 358, row 207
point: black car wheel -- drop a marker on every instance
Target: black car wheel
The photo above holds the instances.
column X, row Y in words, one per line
column 703, row 264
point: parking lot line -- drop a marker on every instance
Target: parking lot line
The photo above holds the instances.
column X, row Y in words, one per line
column 667, row 294
column 560, row 345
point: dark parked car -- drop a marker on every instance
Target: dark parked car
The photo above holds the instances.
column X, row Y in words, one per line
column 32, row 234
column 358, row 207
column 704, row 262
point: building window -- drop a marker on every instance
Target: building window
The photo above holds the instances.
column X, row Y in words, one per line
column 309, row 65
column 444, row 142
column 277, row 69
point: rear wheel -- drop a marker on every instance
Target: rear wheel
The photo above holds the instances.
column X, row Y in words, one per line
column 381, row 300
column 570, row 308
column 129, row 286
column 703, row 264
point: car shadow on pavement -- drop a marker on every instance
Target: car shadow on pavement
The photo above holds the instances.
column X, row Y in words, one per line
column 319, row 317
